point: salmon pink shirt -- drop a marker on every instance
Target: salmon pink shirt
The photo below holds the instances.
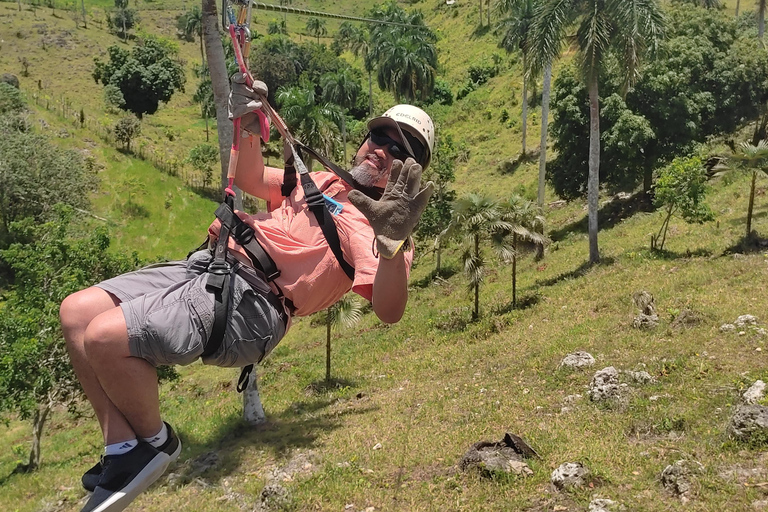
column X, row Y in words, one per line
column 310, row 276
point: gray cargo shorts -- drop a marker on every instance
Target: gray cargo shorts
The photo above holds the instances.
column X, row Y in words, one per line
column 169, row 313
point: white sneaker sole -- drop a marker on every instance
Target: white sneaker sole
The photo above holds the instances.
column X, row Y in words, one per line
column 149, row 475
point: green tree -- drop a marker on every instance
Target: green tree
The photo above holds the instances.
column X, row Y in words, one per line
column 277, row 27
column 11, row 100
column 35, row 373
column 202, row 157
column 437, row 215
column 681, row 188
column 754, row 159
column 357, row 40
column 193, row 26
column 626, row 28
column 147, row 75
column 515, row 29
column 122, row 18
column 316, row 124
column 476, row 220
column 204, row 96
column 316, row 27
column 342, row 89
column 126, row 129
column 526, row 226
column 405, row 56
column 346, row 312
column 28, row 160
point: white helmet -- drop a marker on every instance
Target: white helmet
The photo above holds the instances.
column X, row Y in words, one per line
column 415, row 123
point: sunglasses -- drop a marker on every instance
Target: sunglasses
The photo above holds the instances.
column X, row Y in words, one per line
column 394, row 147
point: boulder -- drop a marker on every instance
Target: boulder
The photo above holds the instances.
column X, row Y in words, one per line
column 570, row 475
column 605, row 385
column 678, row 478
column 577, row 360
column 755, row 393
column 749, row 422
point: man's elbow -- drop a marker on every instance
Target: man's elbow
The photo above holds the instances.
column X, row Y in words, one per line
column 389, row 314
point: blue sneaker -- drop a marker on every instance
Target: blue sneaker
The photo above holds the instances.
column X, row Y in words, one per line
column 172, row 447
column 125, row 476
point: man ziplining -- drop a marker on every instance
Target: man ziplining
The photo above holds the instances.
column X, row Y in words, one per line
column 226, row 304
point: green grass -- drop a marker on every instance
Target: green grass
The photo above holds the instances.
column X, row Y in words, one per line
column 430, row 386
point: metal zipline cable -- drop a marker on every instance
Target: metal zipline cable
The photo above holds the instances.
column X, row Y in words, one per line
column 309, row 12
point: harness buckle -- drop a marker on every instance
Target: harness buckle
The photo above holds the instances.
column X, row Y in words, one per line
column 219, row 268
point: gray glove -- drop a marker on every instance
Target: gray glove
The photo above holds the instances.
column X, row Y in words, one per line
column 244, row 101
column 394, row 216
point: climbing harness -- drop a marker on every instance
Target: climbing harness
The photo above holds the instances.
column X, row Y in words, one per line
column 236, row 24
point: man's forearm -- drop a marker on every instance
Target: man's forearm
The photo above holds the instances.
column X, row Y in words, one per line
column 250, row 168
column 390, row 289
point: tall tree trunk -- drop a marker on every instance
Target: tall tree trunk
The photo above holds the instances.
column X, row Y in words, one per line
column 370, row 93
column 751, row 204
column 328, row 346
column 760, row 19
column 207, row 135
column 476, row 312
column 253, row 412
column 514, row 270
column 202, row 51
column 38, row 422
column 544, row 128
column 738, row 2
column 82, row 5
column 525, row 101
column 344, row 136
column 593, row 182
column 481, row 13
column 488, row 12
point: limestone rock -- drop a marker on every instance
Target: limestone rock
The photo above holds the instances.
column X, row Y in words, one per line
column 727, row 328
column 646, row 322
column 745, row 321
column 603, row 505
column 749, row 421
column 505, row 456
column 641, row 377
column 678, row 478
column 755, row 393
column 577, row 360
column 644, row 302
column 570, row 475
column 605, row 385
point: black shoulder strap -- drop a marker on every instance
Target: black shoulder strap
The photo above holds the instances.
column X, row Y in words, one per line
column 316, row 204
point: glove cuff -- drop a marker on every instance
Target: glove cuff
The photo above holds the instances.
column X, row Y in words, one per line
column 389, row 248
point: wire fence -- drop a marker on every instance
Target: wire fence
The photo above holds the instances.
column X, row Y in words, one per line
column 169, row 164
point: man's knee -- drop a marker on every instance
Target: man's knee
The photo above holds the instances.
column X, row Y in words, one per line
column 106, row 336
column 80, row 308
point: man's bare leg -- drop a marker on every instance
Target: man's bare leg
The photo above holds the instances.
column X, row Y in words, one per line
column 77, row 312
column 130, row 383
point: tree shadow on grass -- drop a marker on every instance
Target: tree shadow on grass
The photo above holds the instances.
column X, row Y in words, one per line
column 525, row 301
column 579, row 271
column 208, row 193
column 480, row 31
column 324, row 386
column 747, row 245
column 664, row 254
column 296, row 427
column 608, row 216
column 435, row 276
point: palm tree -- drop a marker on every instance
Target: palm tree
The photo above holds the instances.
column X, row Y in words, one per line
column 515, row 30
column 315, row 124
column 194, row 27
column 407, row 66
column 359, row 44
column 346, row 312
column 752, row 158
column 476, row 218
column 527, row 223
column 628, row 28
column 316, row 27
column 405, row 56
column 342, row 89
column 204, row 96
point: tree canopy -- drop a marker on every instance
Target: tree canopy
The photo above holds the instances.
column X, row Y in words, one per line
column 145, row 76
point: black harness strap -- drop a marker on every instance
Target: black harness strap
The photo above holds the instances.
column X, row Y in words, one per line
column 316, row 204
column 218, row 284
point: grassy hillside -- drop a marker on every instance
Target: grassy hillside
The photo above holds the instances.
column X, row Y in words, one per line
column 413, row 397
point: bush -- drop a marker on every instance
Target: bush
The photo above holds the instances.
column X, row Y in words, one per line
column 126, row 129
column 10, row 99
